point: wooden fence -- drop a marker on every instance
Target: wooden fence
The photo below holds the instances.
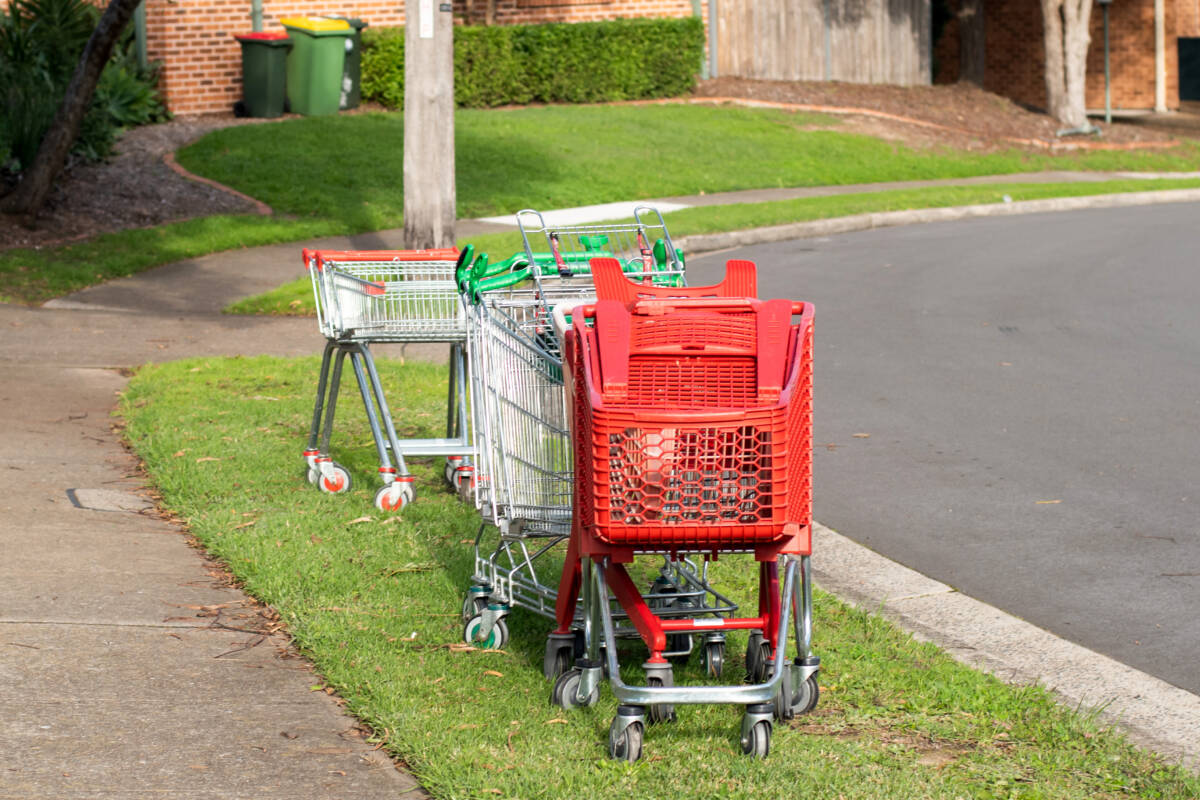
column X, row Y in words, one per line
column 859, row 41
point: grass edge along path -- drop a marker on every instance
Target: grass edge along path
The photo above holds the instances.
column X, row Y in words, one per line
column 295, row 297
column 374, row 600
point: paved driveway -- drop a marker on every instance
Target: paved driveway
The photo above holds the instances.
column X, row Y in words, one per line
column 1012, row 406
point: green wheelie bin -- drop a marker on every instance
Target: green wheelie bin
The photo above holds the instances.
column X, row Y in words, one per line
column 264, row 70
column 315, row 64
column 352, row 72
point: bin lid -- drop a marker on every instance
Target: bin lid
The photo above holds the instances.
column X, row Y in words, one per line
column 261, row 36
column 355, row 23
column 317, row 24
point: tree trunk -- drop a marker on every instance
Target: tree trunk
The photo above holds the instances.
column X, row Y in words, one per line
column 429, row 192
column 30, row 194
column 1066, row 40
column 972, row 51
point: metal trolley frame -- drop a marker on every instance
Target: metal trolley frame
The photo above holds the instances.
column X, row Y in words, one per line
column 366, row 297
column 524, row 480
column 724, row 468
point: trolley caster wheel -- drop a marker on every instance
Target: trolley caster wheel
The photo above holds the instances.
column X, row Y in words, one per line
column 312, row 474
column 473, row 604
column 625, row 744
column 495, row 640
column 463, row 480
column 453, row 464
column 335, row 479
column 394, row 496
column 659, row 712
column 758, row 659
column 714, row 659
column 805, row 698
column 757, row 744
column 566, row 691
column 558, row 658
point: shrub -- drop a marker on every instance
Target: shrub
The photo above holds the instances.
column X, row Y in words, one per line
column 40, row 44
column 586, row 62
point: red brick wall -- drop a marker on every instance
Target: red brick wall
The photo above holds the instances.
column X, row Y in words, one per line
column 1016, row 58
column 202, row 70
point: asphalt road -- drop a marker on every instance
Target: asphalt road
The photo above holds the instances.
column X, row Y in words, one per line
column 1012, row 406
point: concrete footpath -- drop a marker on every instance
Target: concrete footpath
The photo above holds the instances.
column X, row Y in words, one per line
column 128, row 668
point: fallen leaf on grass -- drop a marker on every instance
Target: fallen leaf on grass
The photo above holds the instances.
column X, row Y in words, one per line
column 465, row 727
column 360, row 519
column 493, row 673
column 179, row 454
column 206, row 458
column 556, row 721
column 245, row 525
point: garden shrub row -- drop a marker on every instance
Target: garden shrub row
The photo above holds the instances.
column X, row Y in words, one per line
column 586, row 62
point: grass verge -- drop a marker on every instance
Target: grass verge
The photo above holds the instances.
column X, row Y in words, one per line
column 349, row 168
column 374, row 602
column 327, row 176
column 295, row 298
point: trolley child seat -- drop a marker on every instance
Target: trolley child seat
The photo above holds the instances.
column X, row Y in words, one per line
column 691, row 422
column 365, row 297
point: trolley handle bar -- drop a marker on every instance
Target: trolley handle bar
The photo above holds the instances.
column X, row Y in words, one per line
column 319, row 257
column 657, row 308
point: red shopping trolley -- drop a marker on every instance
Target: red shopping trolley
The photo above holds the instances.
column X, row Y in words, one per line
column 692, row 425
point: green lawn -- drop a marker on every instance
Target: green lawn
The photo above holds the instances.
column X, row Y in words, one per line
column 296, row 297
column 349, row 168
column 374, row 602
column 343, row 175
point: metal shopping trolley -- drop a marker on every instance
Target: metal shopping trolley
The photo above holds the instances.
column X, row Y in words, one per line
column 692, row 429
column 524, row 478
column 366, row 297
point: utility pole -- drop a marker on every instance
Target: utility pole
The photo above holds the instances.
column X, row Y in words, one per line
column 429, row 193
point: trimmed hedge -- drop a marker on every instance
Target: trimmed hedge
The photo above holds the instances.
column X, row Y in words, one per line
column 585, row 62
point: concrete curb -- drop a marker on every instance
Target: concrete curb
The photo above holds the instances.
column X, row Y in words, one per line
column 710, row 242
column 1153, row 713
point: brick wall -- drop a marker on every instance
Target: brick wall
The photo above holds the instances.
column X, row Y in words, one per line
column 1016, row 58
column 202, row 70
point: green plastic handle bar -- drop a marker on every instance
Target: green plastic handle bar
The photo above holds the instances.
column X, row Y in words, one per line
column 499, row 281
column 463, row 268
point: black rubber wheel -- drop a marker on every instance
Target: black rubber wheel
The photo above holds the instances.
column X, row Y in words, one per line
column 473, row 604
column 758, row 660
column 759, row 743
column 626, row 745
column 565, row 689
column 714, row 659
column 806, row 697
column 559, row 664
column 659, row 712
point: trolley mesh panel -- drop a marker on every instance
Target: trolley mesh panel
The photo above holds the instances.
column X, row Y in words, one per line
column 390, row 300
